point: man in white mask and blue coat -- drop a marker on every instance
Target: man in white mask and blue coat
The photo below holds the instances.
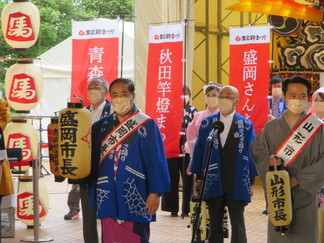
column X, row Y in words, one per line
column 231, row 170
column 129, row 168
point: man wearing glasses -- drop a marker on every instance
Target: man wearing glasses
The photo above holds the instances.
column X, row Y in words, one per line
column 100, row 107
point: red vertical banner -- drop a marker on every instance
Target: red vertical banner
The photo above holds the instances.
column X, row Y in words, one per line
column 249, row 71
column 94, row 53
column 164, row 82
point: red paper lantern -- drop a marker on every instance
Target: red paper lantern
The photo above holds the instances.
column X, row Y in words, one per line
column 20, row 24
column 23, row 85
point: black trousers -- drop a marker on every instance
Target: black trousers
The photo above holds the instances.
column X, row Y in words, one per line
column 216, row 214
column 170, row 200
column 90, row 233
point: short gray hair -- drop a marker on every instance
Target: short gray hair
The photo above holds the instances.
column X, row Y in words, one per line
column 101, row 80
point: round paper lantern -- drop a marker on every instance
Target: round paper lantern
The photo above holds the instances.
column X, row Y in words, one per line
column 52, row 134
column 25, row 205
column 74, row 141
column 20, row 24
column 23, row 85
column 279, row 198
column 20, row 134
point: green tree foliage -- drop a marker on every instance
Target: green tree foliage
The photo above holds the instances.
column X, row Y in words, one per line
column 56, row 16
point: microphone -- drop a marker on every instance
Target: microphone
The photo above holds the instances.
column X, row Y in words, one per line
column 217, row 128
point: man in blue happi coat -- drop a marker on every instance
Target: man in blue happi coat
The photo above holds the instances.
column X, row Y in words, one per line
column 231, row 169
column 129, row 168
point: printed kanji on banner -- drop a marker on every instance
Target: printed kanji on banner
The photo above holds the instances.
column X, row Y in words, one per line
column 249, row 71
column 94, row 53
column 164, row 83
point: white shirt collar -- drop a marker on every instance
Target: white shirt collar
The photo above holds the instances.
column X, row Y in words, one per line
column 96, row 114
column 227, row 125
column 100, row 107
column 228, row 117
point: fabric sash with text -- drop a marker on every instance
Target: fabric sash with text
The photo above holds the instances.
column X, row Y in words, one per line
column 121, row 132
column 298, row 138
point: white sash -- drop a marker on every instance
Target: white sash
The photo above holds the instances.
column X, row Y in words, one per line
column 121, row 132
column 298, row 138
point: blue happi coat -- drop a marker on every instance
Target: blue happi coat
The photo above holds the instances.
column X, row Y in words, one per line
column 142, row 169
column 245, row 168
column 281, row 108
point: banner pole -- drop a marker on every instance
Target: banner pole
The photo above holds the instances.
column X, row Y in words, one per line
column 122, row 49
column 272, row 43
column 36, row 238
column 182, row 133
column 36, row 173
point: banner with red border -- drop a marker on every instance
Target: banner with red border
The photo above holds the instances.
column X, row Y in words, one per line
column 249, row 71
column 94, row 53
column 164, row 81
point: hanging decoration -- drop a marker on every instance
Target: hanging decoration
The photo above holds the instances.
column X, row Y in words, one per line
column 20, row 24
column 305, row 51
column 25, row 209
column 285, row 8
column 74, row 141
column 23, row 85
column 284, row 26
column 52, row 134
column 279, row 198
column 20, row 134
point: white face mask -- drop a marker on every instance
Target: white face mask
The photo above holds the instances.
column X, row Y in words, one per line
column 95, row 96
column 211, row 102
column 121, row 105
column 225, row 105
column 276, row 92
column 186, row 99
column 296, row 106
column 318, row 106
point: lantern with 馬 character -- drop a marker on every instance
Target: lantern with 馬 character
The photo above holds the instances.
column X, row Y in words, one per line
column 23, row 85
column 20, row 24
column 20, row 134
column 25, row 197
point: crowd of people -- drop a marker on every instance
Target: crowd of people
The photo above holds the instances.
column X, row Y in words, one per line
column 130, row 171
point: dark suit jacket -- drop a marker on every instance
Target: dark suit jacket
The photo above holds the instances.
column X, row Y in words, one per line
column 228, row 157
